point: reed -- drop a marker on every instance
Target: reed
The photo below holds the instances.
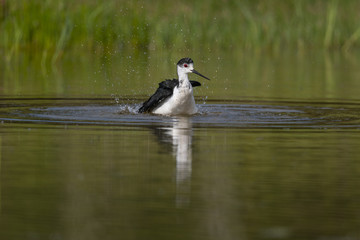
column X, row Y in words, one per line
column 52, row 28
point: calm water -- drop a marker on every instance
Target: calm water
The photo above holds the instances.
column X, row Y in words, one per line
column 272, row 154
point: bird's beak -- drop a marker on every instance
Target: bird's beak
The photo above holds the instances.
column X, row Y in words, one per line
column 196, row 72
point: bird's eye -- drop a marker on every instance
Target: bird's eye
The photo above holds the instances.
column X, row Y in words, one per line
column 185, row 65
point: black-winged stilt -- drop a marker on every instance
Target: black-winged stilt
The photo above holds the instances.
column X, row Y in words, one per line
column 175, row 97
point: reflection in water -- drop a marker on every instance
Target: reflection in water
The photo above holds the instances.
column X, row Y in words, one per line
column 181, row 136
column 91, row 182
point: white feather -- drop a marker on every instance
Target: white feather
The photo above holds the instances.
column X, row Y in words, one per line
column 182, row 100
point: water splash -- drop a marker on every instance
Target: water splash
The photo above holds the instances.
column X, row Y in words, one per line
column 128, row 108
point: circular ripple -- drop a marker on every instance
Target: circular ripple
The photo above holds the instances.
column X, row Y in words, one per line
column 254, row 115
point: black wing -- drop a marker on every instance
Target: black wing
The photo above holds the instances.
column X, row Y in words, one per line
column 164, row 91
column 195, row 83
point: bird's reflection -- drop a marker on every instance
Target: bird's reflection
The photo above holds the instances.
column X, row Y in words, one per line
column 180, row 137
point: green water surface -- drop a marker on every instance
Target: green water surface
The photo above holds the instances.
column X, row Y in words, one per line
column 172, row 178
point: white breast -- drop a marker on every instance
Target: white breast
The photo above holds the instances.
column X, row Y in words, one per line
column 181, row 102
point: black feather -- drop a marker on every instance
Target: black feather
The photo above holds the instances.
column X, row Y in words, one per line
column 195, row 83
column 164, row 91
column 185, row 60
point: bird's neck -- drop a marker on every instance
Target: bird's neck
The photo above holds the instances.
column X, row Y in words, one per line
column 183, row 80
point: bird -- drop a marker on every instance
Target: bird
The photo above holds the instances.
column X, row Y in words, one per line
column 175, row 96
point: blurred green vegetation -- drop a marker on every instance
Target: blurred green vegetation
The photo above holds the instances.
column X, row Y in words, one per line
column 50, row 28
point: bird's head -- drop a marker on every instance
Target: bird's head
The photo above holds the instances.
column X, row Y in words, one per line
column 186, row 65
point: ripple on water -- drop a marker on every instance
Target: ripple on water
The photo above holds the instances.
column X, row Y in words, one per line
column 242, row 115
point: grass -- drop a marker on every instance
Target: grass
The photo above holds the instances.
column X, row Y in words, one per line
column 51, row 28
